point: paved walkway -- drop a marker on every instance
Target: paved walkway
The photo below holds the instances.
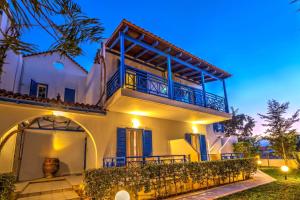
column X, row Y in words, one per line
column 60, row 188
column 259, row 178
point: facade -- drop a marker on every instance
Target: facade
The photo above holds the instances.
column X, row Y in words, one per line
column 144, row 100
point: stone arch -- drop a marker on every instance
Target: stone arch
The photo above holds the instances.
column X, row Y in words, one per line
column 12, row 130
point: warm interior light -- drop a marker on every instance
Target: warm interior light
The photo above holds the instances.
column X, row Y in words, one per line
column 259, row 162
column 58, row 113
column 284, row 168
column 122, row 195
column 135, row 123
column 195, row 129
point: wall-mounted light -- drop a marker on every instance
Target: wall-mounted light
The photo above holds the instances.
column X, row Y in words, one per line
column 195, row 129
column 135, row 123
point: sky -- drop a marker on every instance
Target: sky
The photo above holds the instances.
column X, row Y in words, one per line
column 257, row 41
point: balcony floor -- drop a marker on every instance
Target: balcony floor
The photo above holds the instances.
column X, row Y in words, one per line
column 133, row 102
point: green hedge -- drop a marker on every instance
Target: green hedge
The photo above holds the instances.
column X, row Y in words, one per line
column 7, row 181
column 164, row 180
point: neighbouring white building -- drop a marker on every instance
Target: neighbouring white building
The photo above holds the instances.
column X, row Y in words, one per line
column 144, row 99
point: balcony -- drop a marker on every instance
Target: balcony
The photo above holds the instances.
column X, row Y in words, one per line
column 146, row 82
column 134, row 91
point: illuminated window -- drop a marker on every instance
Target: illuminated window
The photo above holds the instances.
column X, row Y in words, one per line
column 134, row 138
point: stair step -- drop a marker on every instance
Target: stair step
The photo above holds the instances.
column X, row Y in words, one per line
column 66, row 195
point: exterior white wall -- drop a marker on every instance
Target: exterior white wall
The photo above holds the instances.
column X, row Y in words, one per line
column 93, row 85
column 68, row 147
column 40, row 68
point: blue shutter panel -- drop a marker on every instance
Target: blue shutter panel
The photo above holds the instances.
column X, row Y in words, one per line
column 121, row 145
column 147, row 143
column 69, row 95
column 188, row 138
column 203, row 148
column 33, row 88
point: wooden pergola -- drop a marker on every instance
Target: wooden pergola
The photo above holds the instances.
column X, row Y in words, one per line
column 135, row 43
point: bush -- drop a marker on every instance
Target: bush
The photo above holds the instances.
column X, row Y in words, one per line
column 162, row 180
column 7, row 186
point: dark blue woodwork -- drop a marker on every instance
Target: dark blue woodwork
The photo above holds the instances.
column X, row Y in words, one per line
column 188, row 138
column 147, row 143
column 121, row 144
column 69, row 95
column 144, row 160
column 33, row 88
column 203, row 148
column 146, row 82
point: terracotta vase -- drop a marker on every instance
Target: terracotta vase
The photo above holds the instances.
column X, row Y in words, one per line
column 50, row 167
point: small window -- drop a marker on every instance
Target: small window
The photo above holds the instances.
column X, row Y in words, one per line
column 58, row 65
column 42, row 90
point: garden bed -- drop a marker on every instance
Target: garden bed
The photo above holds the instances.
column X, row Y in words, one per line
column 164, row 180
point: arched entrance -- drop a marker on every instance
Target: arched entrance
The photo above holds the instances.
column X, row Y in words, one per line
column 48, row 136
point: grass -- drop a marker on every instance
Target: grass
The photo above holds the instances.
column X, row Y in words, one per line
column 278, row 190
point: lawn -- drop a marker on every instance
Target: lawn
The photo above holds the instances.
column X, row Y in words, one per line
column 278, row 190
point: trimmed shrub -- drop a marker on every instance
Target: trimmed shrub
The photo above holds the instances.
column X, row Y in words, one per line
column 161, row 180
column 7, row 181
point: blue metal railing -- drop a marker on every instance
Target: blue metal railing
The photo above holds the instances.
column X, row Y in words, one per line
column 132, row 161
column 226, row 156
column 146, row 82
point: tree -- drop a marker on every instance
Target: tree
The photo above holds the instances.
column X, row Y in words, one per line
column 281, row 134
column 249, row 147
column 62, row 20
column 240, row 125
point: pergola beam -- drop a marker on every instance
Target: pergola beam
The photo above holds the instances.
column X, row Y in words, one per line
column 146, row 50
column 151, row 48
column 133, row 44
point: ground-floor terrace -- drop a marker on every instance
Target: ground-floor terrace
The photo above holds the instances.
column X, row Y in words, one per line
column 35, row 135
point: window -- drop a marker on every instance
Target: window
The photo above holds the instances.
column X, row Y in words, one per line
column 42, row 90
column 58, row 65
column 38, row 89
column 134, row 138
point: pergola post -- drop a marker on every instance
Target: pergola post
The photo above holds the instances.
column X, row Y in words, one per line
column 203, row 89
column 170, row 81
column 225, row 96
column 122, row 59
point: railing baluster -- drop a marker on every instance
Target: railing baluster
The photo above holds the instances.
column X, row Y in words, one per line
column 152, row 84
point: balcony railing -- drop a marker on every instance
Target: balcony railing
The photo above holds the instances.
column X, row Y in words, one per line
column 146, row 82
column 133, row 161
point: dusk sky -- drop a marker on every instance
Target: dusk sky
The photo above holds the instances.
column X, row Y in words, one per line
column 257, row 41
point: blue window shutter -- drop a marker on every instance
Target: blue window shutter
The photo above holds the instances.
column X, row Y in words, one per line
column 33, row 88
column 121, row 142
column 121, row 146
column 147, row 143
column 69, row 95
column 188, row 138
column 203, row 148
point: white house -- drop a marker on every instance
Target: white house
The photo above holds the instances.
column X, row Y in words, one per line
column 144, row 99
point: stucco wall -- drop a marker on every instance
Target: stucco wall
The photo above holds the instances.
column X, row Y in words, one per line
column 68, row 147
column 40, row 68
column 7, row 155
column 102, row 129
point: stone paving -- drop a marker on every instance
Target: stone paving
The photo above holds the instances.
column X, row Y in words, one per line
column 57, row 188
column 259, row 178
